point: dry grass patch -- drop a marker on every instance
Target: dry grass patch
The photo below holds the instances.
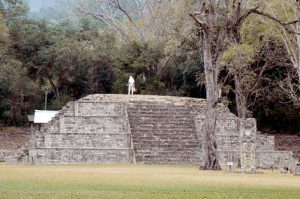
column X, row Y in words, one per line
column 140, row 181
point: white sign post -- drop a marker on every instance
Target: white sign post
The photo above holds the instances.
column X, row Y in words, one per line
column 230, row 164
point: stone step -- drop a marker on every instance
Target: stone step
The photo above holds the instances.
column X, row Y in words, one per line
column 163, row 130
column 161, row 120
column 157, row 140
column 169, row 161
column 165, row 145
column 153, row 103
column 159, row 113
column 166, row 137
column 100, row 116
column 187, row 149
column 97, row 109
column 88, row 140
column 170, row 158
column 169, row 131
column 158, row 108
column 79, row 156
column 172, row 116
column 136, row 111
column 165, row 158
column 162, row 116
column 184, row 116
column 166, row 154
column 161, row 134
column 93, row 125
column 85, row 148
column 163, row 124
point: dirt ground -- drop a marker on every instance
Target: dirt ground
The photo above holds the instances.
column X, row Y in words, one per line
column 11, row 137
column 289, row 143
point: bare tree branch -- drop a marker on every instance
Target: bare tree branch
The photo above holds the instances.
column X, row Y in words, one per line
column 199, row 22
column 285, row 25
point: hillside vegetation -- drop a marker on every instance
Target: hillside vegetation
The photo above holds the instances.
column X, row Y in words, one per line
column 85, row 47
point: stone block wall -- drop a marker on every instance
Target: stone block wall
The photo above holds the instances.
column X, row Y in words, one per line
column 79, row 156
column 227, row 135
column 265, row 142
column 84, row 132
column 92, row 124
column 248, row 144
column 275, row 159
column 143, row 129
column 87, row 140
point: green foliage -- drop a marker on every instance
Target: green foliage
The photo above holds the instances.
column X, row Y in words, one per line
column 4, row 36
column 188, row 80
column 238, row 60
column 56, row 104
column 237, row 57
column 13, row 10
column 72, row 56
column 142, row 62
column 4, row 104
column 276, row 117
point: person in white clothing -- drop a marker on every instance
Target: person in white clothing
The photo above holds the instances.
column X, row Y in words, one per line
column 130, row 85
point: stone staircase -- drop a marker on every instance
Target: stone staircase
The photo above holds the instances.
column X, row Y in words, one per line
column 163, row 133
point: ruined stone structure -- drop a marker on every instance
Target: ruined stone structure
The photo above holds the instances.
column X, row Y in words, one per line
column 146, row 129
column 248, row 144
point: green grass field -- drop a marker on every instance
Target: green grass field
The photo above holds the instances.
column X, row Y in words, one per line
column 140, row 181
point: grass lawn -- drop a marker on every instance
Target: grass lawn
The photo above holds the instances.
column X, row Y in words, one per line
column 140, row 181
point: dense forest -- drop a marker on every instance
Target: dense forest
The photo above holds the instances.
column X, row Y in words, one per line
column 53, row 57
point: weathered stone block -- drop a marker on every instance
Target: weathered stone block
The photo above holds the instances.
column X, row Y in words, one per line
column 87, row 140
column 248, row 144
column 2, row 156
column 78, row 156
column 92, row 109
column 265, row 143
column 297, row 169
column 102, row 124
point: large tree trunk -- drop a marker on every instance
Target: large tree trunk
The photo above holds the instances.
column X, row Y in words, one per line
column 210, row 159
column 231, row 17
column 299, row 78
column 298, row 60
column 46, row 99
column 55, row 88
column 240, row 99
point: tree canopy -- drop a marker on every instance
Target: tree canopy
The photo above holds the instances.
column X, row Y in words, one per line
column 87, row 47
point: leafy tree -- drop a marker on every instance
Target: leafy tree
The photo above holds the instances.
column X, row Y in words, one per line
column 289, row 35
column 15, row 84
column 220, row 21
